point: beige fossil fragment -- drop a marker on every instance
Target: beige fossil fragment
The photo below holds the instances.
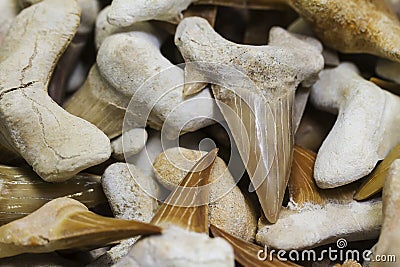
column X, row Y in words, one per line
column 229, row 208
column 130, row 142
column 65, row 223
column 363, row 133
column 348, row 263
column 55, row 143
column 184, row 218
column 260, row 94
column 316, row 211
column 388, row 243
column 9, row 10
column 22, row 191
column 131, row 197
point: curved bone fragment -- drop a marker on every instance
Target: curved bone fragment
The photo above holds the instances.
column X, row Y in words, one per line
column 55, row 143
column 129, row 143
column 65, row 223
column 329, row 214
column 260, row 82
column 388, row 243
column 363, row 133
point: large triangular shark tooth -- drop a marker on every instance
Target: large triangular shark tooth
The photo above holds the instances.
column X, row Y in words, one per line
column 187, row 205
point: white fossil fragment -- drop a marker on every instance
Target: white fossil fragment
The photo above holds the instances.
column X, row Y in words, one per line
column 389, row 243
column 9, row 10
column 257, row 98
column 130, row 142
column 229, row 208
column 128, row 192
column 363, row 133
column 55, row 143
column 180, row 248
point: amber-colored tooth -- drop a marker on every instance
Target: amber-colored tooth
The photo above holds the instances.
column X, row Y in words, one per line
column 22, row 191
column 187, row 205
column 390, row 86
column 302, row 187
column 247, row 253
column 376, row 179
column 65, row 223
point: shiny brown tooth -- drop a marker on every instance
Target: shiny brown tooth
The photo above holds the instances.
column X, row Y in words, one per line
column 302, row 186
column 65, row 223
column 187, row 205
column 376, row 179
column 22, row 191
column 247, row 253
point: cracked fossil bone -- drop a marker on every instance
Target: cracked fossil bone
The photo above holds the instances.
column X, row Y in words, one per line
column 22, row 191
column 55, row 143
column 363, row 133
column 65, row 223
column 184, row 219
column 316, row 210
column 130, row 142
column 229, row 208
column 264, row 96
column 388, row 243
column 131, row 197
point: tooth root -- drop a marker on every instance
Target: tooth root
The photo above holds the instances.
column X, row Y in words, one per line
column 22, row 191
column 264, row 137
column 247, row 253
column 376, row 179
column 188, row 208
column 64, row 224
column 302, row 186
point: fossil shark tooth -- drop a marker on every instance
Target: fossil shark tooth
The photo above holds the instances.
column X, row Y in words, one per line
column 247, row 253
column 376, row 179
column 319, row 209
column 187, row 205
column 65, row 223
column 254, row 87
column 22, row 191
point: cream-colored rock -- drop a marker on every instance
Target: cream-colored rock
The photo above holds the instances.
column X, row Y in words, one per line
column 9, row 10
column 389, row 243
column 133, row 64
column 314, row 225
column 130, row 142
column 364, row 131
column 255, row 88
column 128, row 12
column 180, row 248
column 55, row 143
column 130, row 195
column 229, row 208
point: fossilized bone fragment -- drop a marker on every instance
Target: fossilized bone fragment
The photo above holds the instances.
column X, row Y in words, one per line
column 317, row 210
column 22, row 191
column 258, row 84
column 131, row 195
column 129, row 143
column 55, row 143
column 65, row 223
column 388, row 243
column 229, row 208
column 363, row 133
column 9, row 10
column 184, row 218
